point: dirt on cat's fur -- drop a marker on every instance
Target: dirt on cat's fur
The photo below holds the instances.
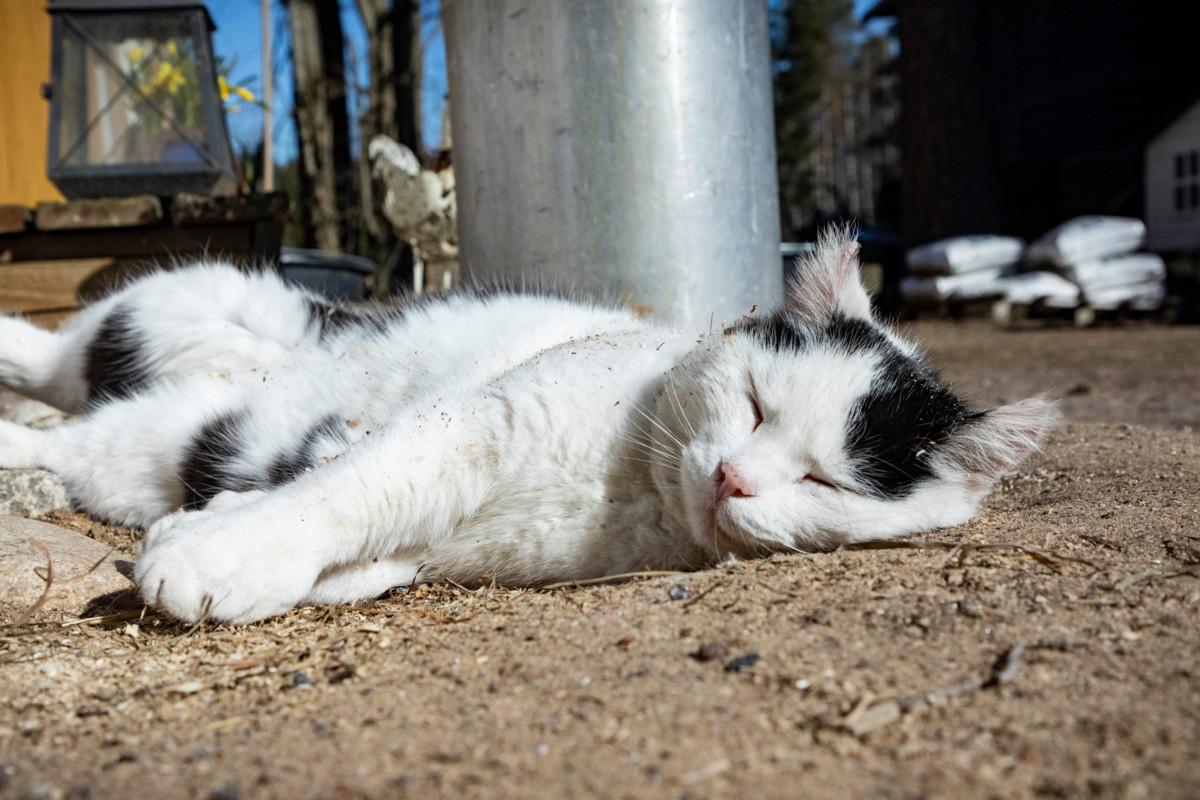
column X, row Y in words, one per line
column 1048, row 648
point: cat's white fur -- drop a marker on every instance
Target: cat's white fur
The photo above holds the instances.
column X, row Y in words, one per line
column 522, row 438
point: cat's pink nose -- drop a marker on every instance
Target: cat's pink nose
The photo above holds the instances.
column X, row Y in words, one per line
column 733, row 484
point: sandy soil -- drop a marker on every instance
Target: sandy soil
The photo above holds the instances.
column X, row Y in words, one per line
column 967, row 667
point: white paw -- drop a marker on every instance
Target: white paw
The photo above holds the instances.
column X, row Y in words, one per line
column 225, row 501
column 229, row 500
column 226, row 567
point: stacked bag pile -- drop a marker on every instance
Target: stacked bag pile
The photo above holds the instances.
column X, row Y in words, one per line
column 1097, row 255
column 962, row 268
column 1085, row 261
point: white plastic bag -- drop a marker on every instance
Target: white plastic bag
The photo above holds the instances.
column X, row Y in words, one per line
column 1136, row 268
column 1087, row 238
column 964, row 254
column 968, row 286
column 1048, row 287
column 1139, row 297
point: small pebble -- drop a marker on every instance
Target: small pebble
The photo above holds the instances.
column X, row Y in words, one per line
column 229, row 792
column 301, row 679
column 743, row 663
column 678, row 592
column 971, row 608
column 818, row 616
column 710, row 651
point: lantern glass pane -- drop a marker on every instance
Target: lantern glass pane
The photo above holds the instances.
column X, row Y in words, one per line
column 131, row 92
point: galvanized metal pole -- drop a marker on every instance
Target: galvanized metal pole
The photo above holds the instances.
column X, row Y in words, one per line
column 268, row 97
column 619, row 147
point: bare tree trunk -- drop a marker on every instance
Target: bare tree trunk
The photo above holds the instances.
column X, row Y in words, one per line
column 406, row 38
column 392, row 105
column 322, row 122
column 376, row 116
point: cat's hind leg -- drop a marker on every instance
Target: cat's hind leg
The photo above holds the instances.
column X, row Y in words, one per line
column 21, row 447
column 41, row 364
column 131, row 461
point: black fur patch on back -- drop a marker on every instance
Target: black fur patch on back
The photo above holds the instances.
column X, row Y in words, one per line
column 332, row 318
column 288, row 466
column 205, row 471
column 114, row 361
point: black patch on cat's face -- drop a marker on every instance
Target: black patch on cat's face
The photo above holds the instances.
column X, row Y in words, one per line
column 893, row 430
column 205, row 470
column 288, row 466
column 896, row 427
column 114, row 361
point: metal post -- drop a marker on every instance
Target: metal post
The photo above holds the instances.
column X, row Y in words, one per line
column 624, row 148
column 268, row 97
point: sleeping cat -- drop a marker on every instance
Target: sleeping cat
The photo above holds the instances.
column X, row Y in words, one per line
column 279, row 450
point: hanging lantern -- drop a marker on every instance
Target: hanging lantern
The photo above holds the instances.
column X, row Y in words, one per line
column 135, row 106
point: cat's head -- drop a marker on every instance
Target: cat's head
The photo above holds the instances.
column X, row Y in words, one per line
column 816, row 426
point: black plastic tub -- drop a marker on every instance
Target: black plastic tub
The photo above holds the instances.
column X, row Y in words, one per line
column 336, row 276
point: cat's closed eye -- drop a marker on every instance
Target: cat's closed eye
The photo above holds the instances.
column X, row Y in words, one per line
column 758, row 416
column 817, row 479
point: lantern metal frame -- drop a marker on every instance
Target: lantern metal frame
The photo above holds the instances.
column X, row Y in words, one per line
column 162, row 178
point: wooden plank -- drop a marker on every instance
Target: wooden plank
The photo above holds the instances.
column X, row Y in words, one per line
column 14, row 218
column 116, row 212
column 34, row 286
column 162, row 243
column 197, row 209
column 51, row 319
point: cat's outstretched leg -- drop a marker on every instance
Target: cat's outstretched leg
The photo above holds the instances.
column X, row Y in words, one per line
column 345, row 584
column 21, row 447
column 393, row 494
column 41, row 364
column 123, row 461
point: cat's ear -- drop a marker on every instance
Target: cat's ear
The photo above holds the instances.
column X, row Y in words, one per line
column 827, row 280
column 996, row 441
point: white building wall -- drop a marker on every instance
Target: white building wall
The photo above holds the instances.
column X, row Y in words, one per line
column 1173, row 185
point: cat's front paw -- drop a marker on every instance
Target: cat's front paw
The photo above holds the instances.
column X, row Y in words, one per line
column 224, row 501
column 220, row 567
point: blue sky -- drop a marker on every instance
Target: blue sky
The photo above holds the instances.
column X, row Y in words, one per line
column 237, row 39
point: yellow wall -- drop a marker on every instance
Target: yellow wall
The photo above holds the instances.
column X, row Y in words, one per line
column 24, row 115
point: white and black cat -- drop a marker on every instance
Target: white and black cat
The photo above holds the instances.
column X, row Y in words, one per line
column 281, row 451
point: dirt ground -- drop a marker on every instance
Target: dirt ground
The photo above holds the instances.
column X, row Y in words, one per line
column 964, row 668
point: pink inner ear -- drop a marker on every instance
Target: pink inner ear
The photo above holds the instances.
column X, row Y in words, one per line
column 827, row 280
column 848, row 262
column 1003, row 438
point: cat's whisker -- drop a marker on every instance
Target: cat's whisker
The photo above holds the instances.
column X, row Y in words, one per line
column 647, row 448
column 679, row 407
